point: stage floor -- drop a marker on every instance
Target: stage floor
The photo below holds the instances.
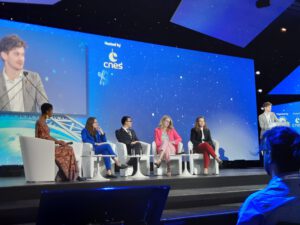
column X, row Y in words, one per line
column 189, row 196
column 20, row 181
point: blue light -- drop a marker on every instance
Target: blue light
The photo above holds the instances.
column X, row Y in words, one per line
column 289, row 86
column 234, row 21
column 44, row 2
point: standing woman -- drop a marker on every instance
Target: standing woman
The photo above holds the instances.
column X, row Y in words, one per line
column 202, row 142
column 94, row 134
column 166, row 140
column 64, row 154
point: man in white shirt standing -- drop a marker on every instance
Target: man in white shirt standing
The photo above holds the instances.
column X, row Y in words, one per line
column 266, row 118
column 20, row 90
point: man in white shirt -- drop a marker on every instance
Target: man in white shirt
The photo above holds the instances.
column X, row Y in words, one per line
column 20, row 90
column 267, row 118
column 280, row 200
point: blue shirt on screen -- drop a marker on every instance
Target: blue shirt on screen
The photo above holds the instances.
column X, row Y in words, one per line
column 278, row 202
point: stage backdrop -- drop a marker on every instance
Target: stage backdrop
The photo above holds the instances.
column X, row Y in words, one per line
column 145, row 81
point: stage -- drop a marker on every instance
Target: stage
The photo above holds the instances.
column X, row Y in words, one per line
column 188, row 197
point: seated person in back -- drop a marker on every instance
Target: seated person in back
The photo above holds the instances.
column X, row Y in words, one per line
column 94, row 134
column 128, row 136
column 202, row 142
column 280, row 200
column 64, row 154
column 167, row 140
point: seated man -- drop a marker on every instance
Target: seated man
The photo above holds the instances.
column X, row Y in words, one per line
column 280, row 200
column 127, row 136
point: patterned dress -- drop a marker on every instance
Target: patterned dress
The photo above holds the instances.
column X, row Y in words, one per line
column 64, row 155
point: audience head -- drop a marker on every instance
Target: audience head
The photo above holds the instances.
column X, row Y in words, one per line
column 281, row 147
column 126, row 121
column 267, row 106
column 91, row 125
column 200, row 123
column 166, row 122
column 47, row 109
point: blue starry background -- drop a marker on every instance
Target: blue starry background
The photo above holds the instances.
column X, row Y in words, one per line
column 154, row 80
column 158, row 80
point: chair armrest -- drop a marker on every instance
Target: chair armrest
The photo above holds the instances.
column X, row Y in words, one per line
column 154, row 148
column 87, row 149
column 217, row 147
column 190, row 147
column 121, row 152
column 180, row 148
column 146, row 148
column 121, row 149
column 77, row 148
column 113, row 146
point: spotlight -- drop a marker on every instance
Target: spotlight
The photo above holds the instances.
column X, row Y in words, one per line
column 260, row 90
column 283, row 29
column 257, row 72
column 262, row 3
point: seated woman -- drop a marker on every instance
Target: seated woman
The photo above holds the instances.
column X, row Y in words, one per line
column 167, row 140
column 64, row 154
column 93, row 134
column 202, row 142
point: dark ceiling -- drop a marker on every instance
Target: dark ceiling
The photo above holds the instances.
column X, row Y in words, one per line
column 276, row 53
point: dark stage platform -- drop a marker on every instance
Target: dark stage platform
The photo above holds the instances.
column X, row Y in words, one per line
column 189, row 196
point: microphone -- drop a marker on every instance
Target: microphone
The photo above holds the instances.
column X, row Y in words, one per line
column 6, row 94
column 25, row 73
column 7, row 91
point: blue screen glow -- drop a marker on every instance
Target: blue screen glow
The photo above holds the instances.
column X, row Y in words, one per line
column 144, row 81
column 289, row 112
column 234, row 21
column 60, row 59
column 290, row 85
column 44, row 2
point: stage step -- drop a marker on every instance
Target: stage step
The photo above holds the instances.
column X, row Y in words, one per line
column 19, row 200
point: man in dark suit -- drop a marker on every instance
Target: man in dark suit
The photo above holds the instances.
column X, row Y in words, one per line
column 127, row 136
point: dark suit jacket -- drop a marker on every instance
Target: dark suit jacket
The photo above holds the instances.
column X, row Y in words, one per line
column 88, row 138
column 123, row 137
column 196, row 137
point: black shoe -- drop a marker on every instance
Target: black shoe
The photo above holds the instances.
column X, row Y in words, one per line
column 134, row 172
column 110, row 176
column 157, row 164
column 81, row 179
column 122, row 166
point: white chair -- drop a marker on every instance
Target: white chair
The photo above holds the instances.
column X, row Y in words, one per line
column 38, row 159
column 40, row 153
column 176, row 162
column 196, row 160
column 89, row 160
column 144, row 160
column 78, row 148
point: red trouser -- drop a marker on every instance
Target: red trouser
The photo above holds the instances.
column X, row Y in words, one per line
column 206, row 150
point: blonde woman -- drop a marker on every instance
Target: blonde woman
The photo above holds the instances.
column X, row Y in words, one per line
column 166, row 140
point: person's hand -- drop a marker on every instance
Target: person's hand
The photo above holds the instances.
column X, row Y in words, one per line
column 100, row 130
column 62, row 143
column 134, row 142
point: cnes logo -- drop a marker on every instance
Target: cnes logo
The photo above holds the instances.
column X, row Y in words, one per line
column 113, row 64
